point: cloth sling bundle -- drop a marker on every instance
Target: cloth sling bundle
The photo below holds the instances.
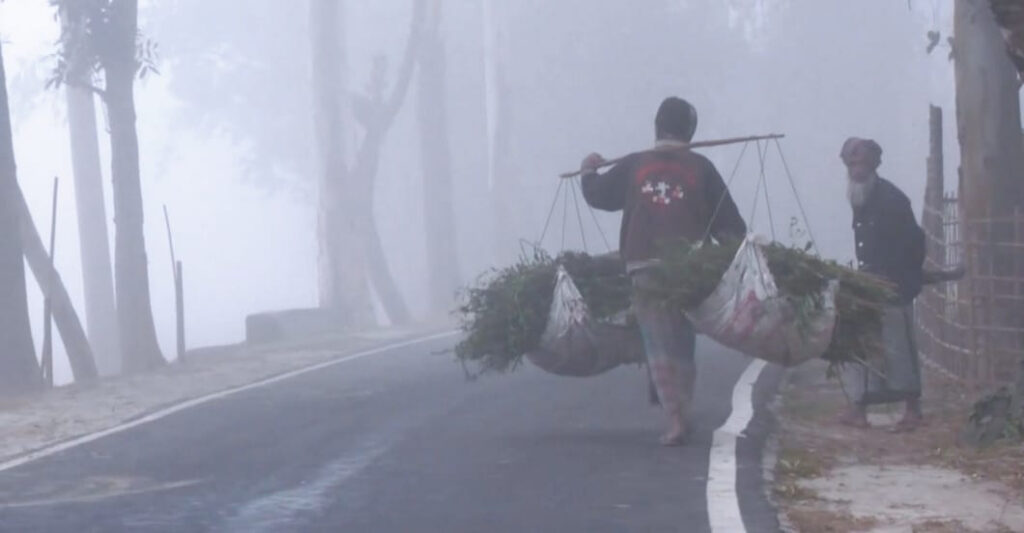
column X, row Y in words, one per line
column 750, row 314
column 575, row 344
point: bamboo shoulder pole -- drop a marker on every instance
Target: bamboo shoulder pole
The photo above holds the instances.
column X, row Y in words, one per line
column 688, row 146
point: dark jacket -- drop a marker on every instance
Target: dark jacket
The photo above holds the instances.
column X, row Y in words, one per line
column 665, row 196
column 889, row 242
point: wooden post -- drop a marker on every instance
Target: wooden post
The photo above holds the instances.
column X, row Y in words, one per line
column 170, row 240
column 933, row 219
column 179, row 301
column 47, row 358
column 935, row 186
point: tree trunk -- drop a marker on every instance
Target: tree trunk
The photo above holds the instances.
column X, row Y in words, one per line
column 383, row 281
column 97, row 272
column 343, row 286
column 139, row 347
column 988, row 114
column 503, row 190
column 19, row 370
column 497, row 114
column 992, row 178
column 360, row 208
column 1008, row 16
column 442, row 253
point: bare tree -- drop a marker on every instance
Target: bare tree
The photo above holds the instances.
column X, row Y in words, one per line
column 19, row 370
column 110, row 42
column 97, row 271
column 351, row 251
column 443, row 257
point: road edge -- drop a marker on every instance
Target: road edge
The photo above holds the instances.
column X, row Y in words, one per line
column 157, row 412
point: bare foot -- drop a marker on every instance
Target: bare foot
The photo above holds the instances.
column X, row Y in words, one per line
column 855, row 418
column 675, row 436
column 673, row 439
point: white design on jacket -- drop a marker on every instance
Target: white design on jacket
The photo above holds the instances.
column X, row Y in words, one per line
column 661, row 193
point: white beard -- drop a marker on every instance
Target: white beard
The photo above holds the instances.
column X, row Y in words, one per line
column 858, row 193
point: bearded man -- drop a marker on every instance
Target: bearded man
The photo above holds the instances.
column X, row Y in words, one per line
column 890, row 245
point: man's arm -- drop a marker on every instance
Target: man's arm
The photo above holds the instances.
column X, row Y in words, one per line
column 606, row 191
column 726, row 221
column 907, row 244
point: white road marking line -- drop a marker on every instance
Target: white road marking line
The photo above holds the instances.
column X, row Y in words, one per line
column 723, row 501
column 278, row 511
column 188, row 404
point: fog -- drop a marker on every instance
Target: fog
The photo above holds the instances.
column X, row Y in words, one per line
column 227, row 139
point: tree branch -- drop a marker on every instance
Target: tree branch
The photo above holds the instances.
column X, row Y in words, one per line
column 89, row 87
column 378, row 123
column 408, row 66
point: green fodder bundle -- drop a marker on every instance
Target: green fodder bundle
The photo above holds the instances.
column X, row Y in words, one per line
column 689, row 274
column 505, row 314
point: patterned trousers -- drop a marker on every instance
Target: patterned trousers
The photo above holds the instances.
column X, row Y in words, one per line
column 669, row 344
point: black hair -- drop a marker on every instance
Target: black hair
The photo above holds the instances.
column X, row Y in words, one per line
column 676, row 119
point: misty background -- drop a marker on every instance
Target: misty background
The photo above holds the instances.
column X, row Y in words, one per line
column 227, row 139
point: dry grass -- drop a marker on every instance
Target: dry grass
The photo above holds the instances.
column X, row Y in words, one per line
column 810, row 406
column 948, row 405
column 951, row 526
column 793, row 465
column 829, row 521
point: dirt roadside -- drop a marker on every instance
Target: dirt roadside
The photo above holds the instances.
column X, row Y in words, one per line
column 829, row 478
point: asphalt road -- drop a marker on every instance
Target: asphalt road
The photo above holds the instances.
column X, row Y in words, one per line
column 400, row 441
